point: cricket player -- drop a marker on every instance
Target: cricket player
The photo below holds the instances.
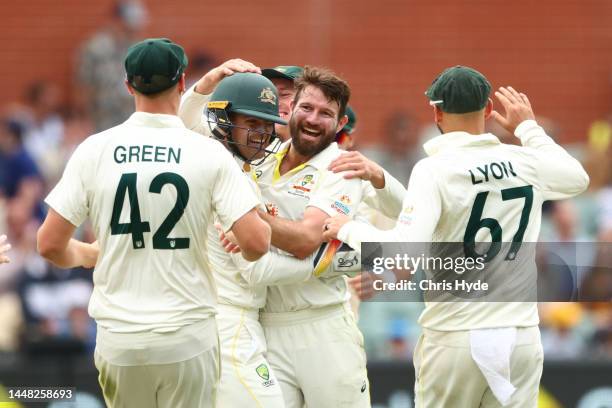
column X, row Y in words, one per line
column 241, row 113
column 379, row 190
column 151, row 188
column 4, row 248
column 314, row 344
column 194, row 102
column 477, row 354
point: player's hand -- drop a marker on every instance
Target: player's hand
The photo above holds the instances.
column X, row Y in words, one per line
column 332, row 225
column 228, row 241
column 357, row 165
column 517, row 107
column 4, row 247
column 363, row 285
column 206, row 85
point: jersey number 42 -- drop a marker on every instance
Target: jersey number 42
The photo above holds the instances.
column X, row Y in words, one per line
column 136, row 227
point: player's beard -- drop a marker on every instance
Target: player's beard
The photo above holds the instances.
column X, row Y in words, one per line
column 305, row 147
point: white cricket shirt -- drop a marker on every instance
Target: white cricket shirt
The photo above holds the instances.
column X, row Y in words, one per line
column 151, row 188
column 287, row 196
column 441, row 197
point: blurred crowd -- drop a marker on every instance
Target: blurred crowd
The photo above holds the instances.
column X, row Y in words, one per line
column 43, row 307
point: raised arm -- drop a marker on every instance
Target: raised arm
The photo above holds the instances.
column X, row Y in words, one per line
column 561, row 176
column 193, row 102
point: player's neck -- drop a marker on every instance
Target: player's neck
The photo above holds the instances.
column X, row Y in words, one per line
column 471, row 128
column 291, row 160
column 166, row 106
column 472, row 123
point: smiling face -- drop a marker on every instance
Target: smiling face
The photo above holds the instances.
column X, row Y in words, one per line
column 286, row 92
column 314, row 122
column 251, row 135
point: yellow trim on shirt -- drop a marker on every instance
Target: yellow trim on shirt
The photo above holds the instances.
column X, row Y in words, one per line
column 279, row 156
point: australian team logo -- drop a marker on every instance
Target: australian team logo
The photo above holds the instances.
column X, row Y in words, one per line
column 268, row 96
column 307, row 179
column 264, row 373
column 303, row 186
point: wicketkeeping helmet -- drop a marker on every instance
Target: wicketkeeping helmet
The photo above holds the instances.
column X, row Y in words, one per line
column 248, row 94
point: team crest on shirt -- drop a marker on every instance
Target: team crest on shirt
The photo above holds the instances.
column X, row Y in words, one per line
column 267, row 95
column 272, row 209
column 341, row 205
column 303, row 186
column 264, row 373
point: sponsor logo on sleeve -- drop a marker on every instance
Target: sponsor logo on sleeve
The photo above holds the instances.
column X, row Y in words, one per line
column 341, row 205
column 405, row 217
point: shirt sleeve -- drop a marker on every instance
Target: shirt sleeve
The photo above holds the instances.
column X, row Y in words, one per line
column 69, row 198
column 336, row 195
column 192, row 111
column 388, row 200
column 421, row 209
column 274, row 269
column 232, row 195
column 560, row 175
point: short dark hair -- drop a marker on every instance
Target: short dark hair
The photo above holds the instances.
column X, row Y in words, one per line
column 333, row 87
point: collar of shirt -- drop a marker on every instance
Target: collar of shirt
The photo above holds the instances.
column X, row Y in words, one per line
column 320, row 161
column 158, row 120
column 458, row 139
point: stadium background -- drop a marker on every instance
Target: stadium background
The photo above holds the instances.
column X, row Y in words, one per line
column 558, row 52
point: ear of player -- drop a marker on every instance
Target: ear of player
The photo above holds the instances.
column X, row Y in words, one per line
column 251, row 95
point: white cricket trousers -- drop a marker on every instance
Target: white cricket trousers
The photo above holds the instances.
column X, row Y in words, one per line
column 247, row 379
column 318, row 357
column 448, row 377
column 159, row 370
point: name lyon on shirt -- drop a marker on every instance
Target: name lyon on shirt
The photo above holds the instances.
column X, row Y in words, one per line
column 497, row 170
